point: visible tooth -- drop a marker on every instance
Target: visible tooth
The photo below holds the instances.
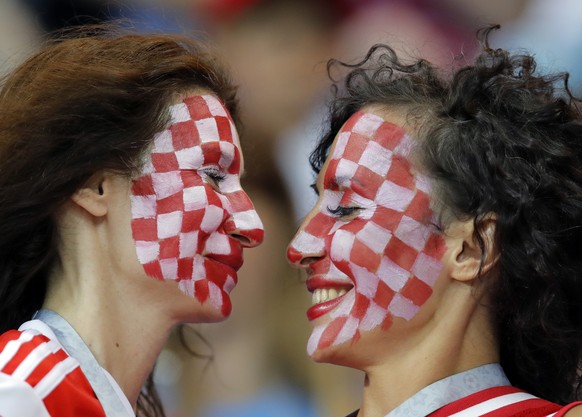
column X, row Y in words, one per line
column 324, row 295
column 316, row 296
column 331, row 293
column 341, row 292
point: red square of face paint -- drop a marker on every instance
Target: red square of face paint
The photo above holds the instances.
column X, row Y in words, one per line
column 211, row 152
column 191, row 220
column 212, row 197
column 435, row 247
column 419, row 208
column 399, row 173
column 360, row 306
column 234, row 167
column 143, row 186
column 329, row 175
column 145, row 229
column 351, row 122
column 190, row 178
column 384, row 295
column 320, row 225
column 153, row 269
column 363, row 256
column 184, row 135
column 355, row 147
column 331, row 331
column 170, row 247
column 185, row 268
column 387, row 218
column 400, row 253
column 389, row 135
column 354, row 226
column 164, row 162
column 224, row 130
column 201, row 290
column 197, row 107
column 239, row 201
column 366, row 182
column 416, row 291
column 175, row 202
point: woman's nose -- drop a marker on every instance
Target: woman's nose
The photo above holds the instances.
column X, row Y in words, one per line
column 308, row 245
column 244, row 223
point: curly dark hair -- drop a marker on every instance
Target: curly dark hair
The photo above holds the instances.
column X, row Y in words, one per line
column 499, row 138
column 90, row 100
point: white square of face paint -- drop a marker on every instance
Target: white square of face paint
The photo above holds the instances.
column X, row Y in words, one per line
column 427, row 268
column 374, row 317
column 230, row 184
column 179, row 113
column 366, row 281
column 227, row 154
column 207, row 130
column 147, row 251
column 423, row 183
column 346, row 169
column 167, row 183
column 163, row 142
column 412, row 233
column 188, row 244
column 392, row 275
column 213, row 217
column 169, row 224
column 215, row 106
column 374, row 237
column 340, row 144
column 247, row 220
column 368, row 124
column 307, row 243
column 348, row 331
column 404, row 148
column 143, row 206
column 190, row 158
column 195, row 198
column 393, row 196
column 218, row 244
column 214, row 295
column 187, row 287
column 199, row 269
column 402, row 307
column 377, row 158
column 169, row 268
column 341, row 245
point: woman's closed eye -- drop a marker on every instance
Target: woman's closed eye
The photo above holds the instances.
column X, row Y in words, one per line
column 215, row 175
column 343, row 211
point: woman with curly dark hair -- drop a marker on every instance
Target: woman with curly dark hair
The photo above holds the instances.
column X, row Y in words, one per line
column 444, row 251
column 121, row 215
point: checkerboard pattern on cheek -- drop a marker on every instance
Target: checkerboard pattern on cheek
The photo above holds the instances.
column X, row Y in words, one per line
column 390, row 251
column 176, row 215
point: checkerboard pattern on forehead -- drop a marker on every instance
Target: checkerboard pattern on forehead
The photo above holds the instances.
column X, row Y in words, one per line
column 393, row 254
column 174, row 213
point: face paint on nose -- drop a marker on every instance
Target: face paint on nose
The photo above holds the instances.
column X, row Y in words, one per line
column 374, row 222
column 187, row 199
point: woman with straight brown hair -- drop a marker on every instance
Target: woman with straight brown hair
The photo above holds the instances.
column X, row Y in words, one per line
column 121, row 215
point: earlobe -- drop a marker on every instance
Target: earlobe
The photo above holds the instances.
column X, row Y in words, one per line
column 91, row 196
column 468, row 258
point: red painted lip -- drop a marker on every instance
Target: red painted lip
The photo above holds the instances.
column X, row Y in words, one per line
column 234, row 262
column 319, row 281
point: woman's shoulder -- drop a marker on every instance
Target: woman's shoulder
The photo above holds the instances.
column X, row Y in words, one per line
column 35, row 370
column 571, row 410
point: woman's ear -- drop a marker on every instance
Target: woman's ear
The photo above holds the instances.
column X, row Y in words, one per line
column 91, row 197
column 466, row 255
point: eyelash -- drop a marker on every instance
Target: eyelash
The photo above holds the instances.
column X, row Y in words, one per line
column 215, row 175
column 341, row 211
column 314, row 188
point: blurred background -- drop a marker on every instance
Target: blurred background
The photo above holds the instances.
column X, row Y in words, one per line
column 255, row 364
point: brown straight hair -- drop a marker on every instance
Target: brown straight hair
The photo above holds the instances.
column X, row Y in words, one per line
column 90, row 100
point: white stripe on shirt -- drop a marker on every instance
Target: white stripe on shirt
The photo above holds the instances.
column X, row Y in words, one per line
column 55, row 377
column 34, row 358
column 13, row 346
column 493, row 404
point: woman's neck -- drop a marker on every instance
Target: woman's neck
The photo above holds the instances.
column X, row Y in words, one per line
column 456, row 339
column 124, row 337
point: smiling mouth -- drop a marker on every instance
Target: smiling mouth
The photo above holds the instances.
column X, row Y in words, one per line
column 321, row 295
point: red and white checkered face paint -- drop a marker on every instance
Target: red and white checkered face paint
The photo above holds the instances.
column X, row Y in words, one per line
column 373, row 251
column 188, row 203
